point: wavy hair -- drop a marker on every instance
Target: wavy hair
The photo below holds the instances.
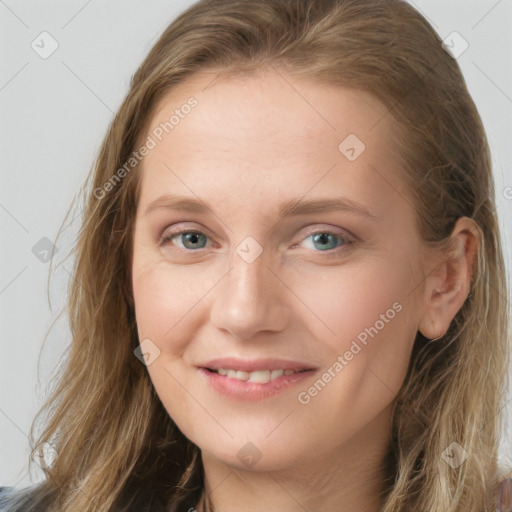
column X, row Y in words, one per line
column 117, row 448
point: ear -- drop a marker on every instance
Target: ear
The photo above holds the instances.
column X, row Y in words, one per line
column 448, row 283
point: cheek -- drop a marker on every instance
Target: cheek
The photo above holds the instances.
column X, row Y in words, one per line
column 367, row 315
column 347, row 301
column 164, row 304
column 162, row 298
column 171, row 302
column 154, row 298
column 367, row 347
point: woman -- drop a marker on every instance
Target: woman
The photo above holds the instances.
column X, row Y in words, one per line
column 289, row 290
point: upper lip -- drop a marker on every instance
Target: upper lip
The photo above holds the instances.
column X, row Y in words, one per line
column 251, row 365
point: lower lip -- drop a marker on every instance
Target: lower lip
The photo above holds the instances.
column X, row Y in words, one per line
column 245, row 390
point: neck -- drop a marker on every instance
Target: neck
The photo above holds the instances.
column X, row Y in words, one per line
column 351, row 477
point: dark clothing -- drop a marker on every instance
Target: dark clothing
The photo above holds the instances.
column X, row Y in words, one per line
column 144, row 501
column 503, row 501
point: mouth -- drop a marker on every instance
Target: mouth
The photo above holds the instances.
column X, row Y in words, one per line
column 258, row 376
column 253, row 379
column 253, row 382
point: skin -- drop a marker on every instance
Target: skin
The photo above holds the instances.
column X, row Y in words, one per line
column 253, row 142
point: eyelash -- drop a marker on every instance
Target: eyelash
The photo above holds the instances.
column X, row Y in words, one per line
column 344, row 240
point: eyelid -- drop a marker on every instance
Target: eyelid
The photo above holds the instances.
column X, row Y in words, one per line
column 166, row 235
column 346, row 240
column 342, row 233
column 345, row 236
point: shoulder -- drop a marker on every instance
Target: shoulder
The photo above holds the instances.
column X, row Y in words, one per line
column 4, row 491
column 4, row 494
column 13, row 499
column 27, row 500
column 504, row 500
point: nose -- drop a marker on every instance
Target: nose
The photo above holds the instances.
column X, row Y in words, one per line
column 250, row 299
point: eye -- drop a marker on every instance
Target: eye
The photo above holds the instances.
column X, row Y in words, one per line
column 327, row 241
column 188, row 240
column 323, row 241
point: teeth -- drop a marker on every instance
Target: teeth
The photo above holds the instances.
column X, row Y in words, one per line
column 260, row 376
column 274, row 374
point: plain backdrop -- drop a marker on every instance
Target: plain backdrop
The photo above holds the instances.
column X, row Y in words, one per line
column 54, row 112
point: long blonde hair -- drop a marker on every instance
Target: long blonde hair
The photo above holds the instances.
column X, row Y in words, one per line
column 117, row 446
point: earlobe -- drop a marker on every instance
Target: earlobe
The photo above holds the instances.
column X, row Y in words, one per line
column 448, row 284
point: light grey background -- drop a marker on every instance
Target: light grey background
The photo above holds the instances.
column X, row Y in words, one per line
column 54, row 113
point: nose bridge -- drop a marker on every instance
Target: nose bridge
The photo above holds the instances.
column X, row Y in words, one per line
column 249, row 299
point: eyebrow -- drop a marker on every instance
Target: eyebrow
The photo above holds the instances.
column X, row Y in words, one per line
column 290, row 208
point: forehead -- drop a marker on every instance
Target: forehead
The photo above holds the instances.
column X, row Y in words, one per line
column 269, row 134
column 265, row 101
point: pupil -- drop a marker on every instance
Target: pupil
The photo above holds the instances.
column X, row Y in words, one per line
column 322, row 238
column 192, row 238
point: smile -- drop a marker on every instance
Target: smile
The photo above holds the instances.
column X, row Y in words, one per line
column 261, row 376
column 255, row 385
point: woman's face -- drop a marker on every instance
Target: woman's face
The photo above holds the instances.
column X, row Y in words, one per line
column 273, row 229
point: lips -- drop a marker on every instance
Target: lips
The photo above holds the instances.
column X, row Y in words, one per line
column 261, row 376
column 255, row 365
column 239, row 389
column 254, row 379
